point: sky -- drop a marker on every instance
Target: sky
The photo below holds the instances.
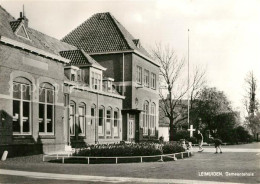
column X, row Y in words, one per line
column 224, row 34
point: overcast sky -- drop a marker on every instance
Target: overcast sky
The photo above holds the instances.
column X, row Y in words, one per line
column 224, row 34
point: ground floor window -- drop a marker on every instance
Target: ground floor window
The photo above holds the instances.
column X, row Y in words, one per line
column 72, row 118
column 93, row 115
column 145, row 117
column 116, row 123
column 46, row 110
column 82, row 116
column 101, row 121
column 153, row 119
column 21, row 108
column 108, row 121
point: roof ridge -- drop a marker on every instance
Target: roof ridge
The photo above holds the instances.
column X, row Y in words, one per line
column 77, row 27
column 116, row 22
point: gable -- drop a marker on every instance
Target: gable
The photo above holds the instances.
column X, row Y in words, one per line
column 21, row 31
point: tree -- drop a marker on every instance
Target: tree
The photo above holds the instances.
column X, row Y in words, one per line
column 215, row 113
column 172, row 86
column 250, row 101
column 251, row 104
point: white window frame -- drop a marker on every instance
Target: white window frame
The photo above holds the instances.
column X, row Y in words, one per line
column 145, row 117
column 45, row 103
column 146, row 78
column 72, row 116
column 116, row 121
column 83, row 116
column 96, row 79
column 139, row 75
column 153, row 80
column 20, row 115
column 153, row 119
column 109, row 121
column 101, row 129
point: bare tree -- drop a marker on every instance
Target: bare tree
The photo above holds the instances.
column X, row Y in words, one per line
column 250, row 101
column 251, row 104
column 173, row 85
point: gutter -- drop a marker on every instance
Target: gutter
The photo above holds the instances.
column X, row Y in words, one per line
column 32, row 49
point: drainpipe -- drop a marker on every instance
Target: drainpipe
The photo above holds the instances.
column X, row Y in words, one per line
column 123, row 88
column 96, row 120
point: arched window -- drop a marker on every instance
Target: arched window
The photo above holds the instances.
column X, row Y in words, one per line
column 46, row 109
column 82, row 117
column 109, row 122
column 116, row 123
column 22, row 106
column 72, row 118
column 145, row 117
column 153, row 119
column 101, row 114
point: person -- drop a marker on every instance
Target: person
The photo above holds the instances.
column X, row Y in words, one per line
column 218, row 143
column 200, row 140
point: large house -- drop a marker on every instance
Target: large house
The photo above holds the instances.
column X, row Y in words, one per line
column 135, row 74
column 54, row 94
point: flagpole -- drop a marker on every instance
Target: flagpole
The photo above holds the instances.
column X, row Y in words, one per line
column 188, row 77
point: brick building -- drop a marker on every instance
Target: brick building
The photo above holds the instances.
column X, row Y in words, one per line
column 55, row 94
column 136, row 75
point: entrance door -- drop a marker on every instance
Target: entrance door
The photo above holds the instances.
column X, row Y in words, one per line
column 130, row 130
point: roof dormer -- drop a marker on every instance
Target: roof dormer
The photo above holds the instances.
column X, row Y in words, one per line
column 20, row 26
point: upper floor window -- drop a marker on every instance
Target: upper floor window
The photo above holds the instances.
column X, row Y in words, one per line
column 82, row 116
column 96, row 80
column 153, row 80
column 146, row 78
column 139, row 75
column 72, row 77
column 22, row 107
column 46, row 109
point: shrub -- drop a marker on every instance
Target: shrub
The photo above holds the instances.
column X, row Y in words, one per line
column 142, row 149
column 181, row 134
column 192, row 139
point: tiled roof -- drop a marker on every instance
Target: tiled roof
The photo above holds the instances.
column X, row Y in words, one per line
column 15, row 24
column 79, row 57
column 37, row 39
column 103, row 33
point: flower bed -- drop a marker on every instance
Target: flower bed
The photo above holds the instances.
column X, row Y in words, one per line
column 142, row 149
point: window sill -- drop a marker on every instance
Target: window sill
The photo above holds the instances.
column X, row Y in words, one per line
column 22, row 136
column 47, row 136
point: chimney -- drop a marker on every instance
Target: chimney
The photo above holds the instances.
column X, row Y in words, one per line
column 23, row 18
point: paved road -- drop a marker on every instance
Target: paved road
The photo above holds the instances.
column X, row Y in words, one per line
column 190, row 170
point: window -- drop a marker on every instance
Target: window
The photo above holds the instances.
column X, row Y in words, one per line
column 116, row 123
column 21, row 108
column 82, row 115
column 93, row 115
column 153, row 80
column 108, row 122
column 46, row 109
column 72, row 119
column 145, row 117
column 153, row 119
column 96, row 80
column 72, row 77
column 139, row 75
column 146, row 78
column 101, row 121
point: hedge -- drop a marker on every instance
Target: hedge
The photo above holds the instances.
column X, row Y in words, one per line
column 141, row 149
